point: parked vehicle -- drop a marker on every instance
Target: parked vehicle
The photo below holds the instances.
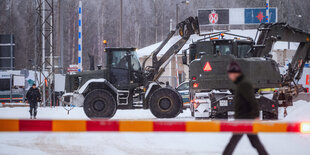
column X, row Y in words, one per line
column 183, row 89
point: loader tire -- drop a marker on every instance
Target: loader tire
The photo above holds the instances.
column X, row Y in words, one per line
column 165, row 103
column 99, row 104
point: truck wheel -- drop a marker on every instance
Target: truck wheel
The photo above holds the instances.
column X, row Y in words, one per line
column 99, row 104
column 269, row 116
column 165, row 103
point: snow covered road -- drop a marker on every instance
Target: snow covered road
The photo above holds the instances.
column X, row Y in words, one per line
column 115, row 143
column 145, row 143
column 78, row 113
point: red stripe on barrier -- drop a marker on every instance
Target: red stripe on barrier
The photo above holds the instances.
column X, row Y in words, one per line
column 169, row 126
column 293, row 127
column 35, row 125
column 102, row 125
column 234, row 127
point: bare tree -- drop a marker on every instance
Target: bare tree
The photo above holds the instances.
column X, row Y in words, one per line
column 144, row 22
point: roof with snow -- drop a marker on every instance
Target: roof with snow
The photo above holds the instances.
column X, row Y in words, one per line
column 247, row 33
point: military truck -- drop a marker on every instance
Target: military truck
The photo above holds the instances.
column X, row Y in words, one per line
column 123, row 83
column 210, row 56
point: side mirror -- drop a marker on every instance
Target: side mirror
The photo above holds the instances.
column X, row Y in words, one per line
column 184, row 57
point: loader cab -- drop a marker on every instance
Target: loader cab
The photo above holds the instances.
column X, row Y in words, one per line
column 124, row 67
column 218, row 47
column 238, row 48
column 222, row 47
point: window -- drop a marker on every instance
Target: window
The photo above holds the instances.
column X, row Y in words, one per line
column 5, row 51
column 4, row 84
column 135, row 62
column 119, row 59
column 223, row 49
column 243, row 50
column 5, row 63
column 184, row 86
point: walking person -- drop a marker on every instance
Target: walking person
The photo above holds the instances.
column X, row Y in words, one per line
column 245, row 107
column 33, row 96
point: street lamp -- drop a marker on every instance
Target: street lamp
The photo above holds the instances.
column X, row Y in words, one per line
column 177, row 10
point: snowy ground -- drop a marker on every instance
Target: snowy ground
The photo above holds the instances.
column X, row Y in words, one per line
column 78, row 113
column 143, row 143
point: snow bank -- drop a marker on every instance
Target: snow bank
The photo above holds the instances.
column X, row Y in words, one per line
column 299, row 112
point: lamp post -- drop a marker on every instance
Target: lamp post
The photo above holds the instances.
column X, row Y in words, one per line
column 288, row 19
column 177, row 10
column 121, row 25
column 176, row 23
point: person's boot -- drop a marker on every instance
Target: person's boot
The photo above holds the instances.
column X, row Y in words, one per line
column 30, row 117
column 35, row 114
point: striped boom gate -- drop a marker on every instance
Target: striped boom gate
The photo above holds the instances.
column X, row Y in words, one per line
column 12, row 125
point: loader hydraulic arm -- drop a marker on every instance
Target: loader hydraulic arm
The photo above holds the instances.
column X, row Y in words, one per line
column 186, row 28
column 271, row 33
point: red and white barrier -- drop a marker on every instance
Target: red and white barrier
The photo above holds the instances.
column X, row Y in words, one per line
column 12, row 125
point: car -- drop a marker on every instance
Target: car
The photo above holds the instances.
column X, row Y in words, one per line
column 183, row 89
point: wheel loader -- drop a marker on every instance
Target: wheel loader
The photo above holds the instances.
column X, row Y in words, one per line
column 123, row 83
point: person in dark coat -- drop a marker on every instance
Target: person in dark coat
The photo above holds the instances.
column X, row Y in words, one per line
column 33, row 96
column 245, row 107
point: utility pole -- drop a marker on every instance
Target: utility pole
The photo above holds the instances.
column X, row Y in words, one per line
column 177, row 14
column 156, row 21
column 121, row 25
column 60, row 35
column 288, row 20
column 267, row 11
column 171, row 25
column 45, row 49
column 80, row 40
column 177, row 11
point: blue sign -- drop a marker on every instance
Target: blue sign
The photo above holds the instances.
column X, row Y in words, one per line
column 258, row 15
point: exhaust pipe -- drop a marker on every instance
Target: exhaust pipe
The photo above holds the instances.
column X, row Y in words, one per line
column 91, row 62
